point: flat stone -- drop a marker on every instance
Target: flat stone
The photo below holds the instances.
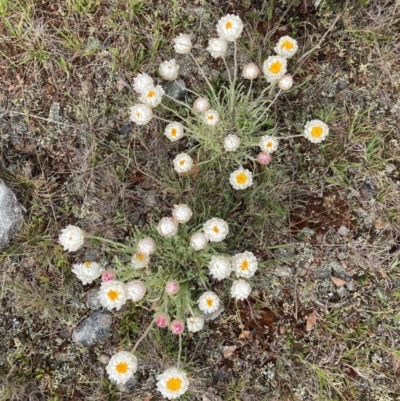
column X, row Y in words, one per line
column 338, row 270
column 283, row 271
column 93, row 330
column 343, row 231
column 351, row 285
column 176, row 89
column 10, row 214
column 323, row 272
column 92, row 300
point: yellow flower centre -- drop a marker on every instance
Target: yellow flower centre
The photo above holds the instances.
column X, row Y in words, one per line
column 122, row 367
column 70, row 238
column 113, row 295
column 244, row 265
column 228, row 25
column 138, row 114
column 215, row 229
column 140, row 256
column 275, row 67
column 182, row 162
column 210, row 302
column 151, row 94
column 241, row 178
column 88, row 264
column 174, row 384
column 173, row 132
column 210, row 117
column 269, row 145
column 316, row 131
column 287, row 44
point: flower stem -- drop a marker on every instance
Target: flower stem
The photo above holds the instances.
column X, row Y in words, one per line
column 178, row 101
column 204, row 76
column 180, row 351
column 117, row 244
column 227, row 69
column 143, row 336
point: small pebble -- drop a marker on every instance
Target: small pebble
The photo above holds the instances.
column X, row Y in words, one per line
column 343, row 231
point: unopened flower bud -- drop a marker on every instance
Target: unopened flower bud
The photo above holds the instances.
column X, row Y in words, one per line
column 286, row 82
column 177, row 326
column 172, row 287
column 146, row 246
column 264, row 158
column 107, row 276
column 250, row 71
column 201, row 104
column 162, row 319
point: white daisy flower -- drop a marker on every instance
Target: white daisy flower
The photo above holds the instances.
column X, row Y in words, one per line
column 174, row 131
column 229, row 27
column 244, row 264
column 183, row 163
column 316, row 131
column 182, row 213
column 141, row 114
column 241, row 179
column 208, row 302
column 286, row 82
column 183, row 44
column 172, row 383
column 240, row 289
column 198, row 241
column 146, row 246
column 142, row 81
column 286, row 47
column 217, row 47
column 231, row 143
column 216, row 229
column 250, row 71
column 71, row 238
column 112, row 294
column 268, row 144
column 219, row 267
column 167, row 227
column 122, row 367
column 87, row 272
column 169, row 70
column 274, row 68
column 194, row 323
column 136, row 290
column 140, row 260
column 201, row 104
column 152, row 95
column 211, row 117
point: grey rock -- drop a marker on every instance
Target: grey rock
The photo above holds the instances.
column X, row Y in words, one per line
column 324, row 272
column 10, row 214
column 338, row 270
column 92, row 300
column 343, row 231
column 342, row 291
column 283, row 271
column 94, row 329
column 351, row 286
column 176, row 89
column 125, row 129
column 128, row 387
column 341, row 84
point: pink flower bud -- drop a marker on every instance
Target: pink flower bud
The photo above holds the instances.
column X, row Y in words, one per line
column 107, row 276
column 264, row 158
column 172, row 287
column 162, row 319
column 250, row 71
column 177, row 326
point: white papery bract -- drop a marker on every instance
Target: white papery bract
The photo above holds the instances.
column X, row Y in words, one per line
column 167, row 227
column 142, row 81
column 274, row 68
column 194, row 323
column 201, row 104
column 71, row 238
column 182, row 213
column 286, row 47
column 229, row 27
column 268, row 144
column 112, row 294
column 136, row 290
column 211, row 117
column 240, row 289
column 219, row 267
column 316, row 131
column 217, row 47
column 183, row 163
column 286, row 82
column 122, row 367
column 241, row 179
column 216, row 229
column 152, row 95
column 208, row 302
column 174, row 131
column 183, row 44
column 244, row 264
column 146, row 246
column 169, row 70
column 140, row 260
column 198, row 241
column 87, row 272
column 141, row 114
column 231, row 143
column 172, row 383
column 250, row 71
